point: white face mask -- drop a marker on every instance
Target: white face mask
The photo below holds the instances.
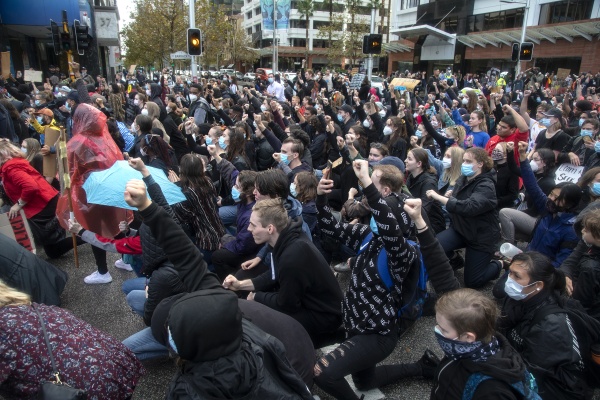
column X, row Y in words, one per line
column 142, row 152
column 534, row 166
column 193, row 98
column 387, row 130
column 144, row 112
column 366, row 123
column 446, row 162
column 465, row 101
column 382, row 113
column 136, row 102
column 434, row 123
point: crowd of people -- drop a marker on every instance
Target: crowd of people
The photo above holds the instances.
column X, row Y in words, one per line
column 286, row 183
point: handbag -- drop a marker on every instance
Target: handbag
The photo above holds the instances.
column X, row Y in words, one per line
column 56, row 390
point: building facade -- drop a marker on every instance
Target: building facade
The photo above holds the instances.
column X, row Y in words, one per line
column 291, row 42
column 25, row 33
column 476, row 35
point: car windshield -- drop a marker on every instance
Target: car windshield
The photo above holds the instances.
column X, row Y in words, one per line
column 376, row 79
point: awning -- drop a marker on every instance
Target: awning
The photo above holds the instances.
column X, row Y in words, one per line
column 396, row 47
column 420, row 30
column 568, row 31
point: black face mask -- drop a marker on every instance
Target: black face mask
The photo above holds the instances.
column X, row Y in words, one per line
column 552, row 207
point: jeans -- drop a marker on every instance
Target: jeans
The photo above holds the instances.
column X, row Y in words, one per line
column 228, row 215
column 516, row 225
column 479, row 267
column 358, row 356
column 144, row 346
column 135, row 291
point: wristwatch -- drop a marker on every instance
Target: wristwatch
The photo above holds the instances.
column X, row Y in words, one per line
column 21, row 203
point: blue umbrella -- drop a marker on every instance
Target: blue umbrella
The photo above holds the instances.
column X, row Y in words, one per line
column 107, row 187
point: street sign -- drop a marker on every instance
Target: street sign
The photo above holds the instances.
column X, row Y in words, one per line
column 180, row 55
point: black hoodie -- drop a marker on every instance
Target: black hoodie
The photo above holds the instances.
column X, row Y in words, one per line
column 505, row 367
column 155, row 97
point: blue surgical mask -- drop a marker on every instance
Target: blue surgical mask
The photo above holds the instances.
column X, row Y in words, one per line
column 340, row 118
column 285, row 159
column 235, row 194
column 208, row 140
column 387, row 131
column 419, row 133
column 467, row 170
column 38, row 102
column 40, row 120
column 222, row 143
column 586, row 132
column 23, row 150
column 581, row 120
column 595, row 188
column 545, row 121
column 514, row 290
column 68, row 106
column 373, row 226
column 293, row 189
column 270, row 80
column 597, row 147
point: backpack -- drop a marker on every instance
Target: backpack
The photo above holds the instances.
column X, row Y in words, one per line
column 587, row 331
column 527, row 392
column 410, row 307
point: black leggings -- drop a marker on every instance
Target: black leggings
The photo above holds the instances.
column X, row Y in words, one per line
column 358, row 356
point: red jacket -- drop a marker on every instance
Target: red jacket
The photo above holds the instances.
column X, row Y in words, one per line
column 516, row 137
column 22, row 181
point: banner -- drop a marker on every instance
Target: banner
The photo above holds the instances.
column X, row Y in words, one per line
column 18, row 230
column 33, row 76
column 402, row 84
column 282, row 15
column 568, row 173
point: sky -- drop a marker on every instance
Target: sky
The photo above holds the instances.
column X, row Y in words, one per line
column 125, row 8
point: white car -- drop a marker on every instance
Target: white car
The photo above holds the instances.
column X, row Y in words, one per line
column 377, row 82
column 290, row 75
column 249, row 77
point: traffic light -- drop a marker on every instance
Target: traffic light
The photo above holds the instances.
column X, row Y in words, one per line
column 194, row 42
column 82, row 37
column 65, row 40
column 515, row 52
column 526, row 53
column 372, row 43
column 55, row 37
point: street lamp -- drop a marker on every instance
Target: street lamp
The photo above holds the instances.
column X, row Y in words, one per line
column 523, row 29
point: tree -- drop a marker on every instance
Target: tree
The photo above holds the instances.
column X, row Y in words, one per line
column 240, row 46
column 306, row 10
column 157, row 29
column 346, row 37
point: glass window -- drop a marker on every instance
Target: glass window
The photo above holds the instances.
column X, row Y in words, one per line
column 565, row 11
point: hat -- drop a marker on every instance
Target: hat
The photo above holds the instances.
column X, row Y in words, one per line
column 347, row 108
column 553, row 112
column 584, row 105
column 463, row 111
column 82, row 68
column 64, row 89
column 73, row 95
column 45, row 111
column 391, row 160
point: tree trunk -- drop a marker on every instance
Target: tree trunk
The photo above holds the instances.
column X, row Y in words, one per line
column 307, row 26
column 389, row 16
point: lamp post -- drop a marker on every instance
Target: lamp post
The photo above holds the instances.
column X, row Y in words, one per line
column 274, row 63
column 523, row 28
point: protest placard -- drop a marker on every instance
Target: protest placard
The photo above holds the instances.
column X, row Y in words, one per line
column 568, row 173
column 18, row 230
column 33, row 76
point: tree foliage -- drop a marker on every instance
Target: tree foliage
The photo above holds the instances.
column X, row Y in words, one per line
column 306, row 9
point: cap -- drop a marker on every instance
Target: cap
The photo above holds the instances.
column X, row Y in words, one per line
column 81, row 68
column 391, row 160
column 45, row 111
column 347, row 108
column 73, row 95
column 553, row 112
column 584, row 105
column 65, row 89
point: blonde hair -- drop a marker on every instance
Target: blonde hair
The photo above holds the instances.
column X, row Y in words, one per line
column 271, row 211
column 33, row 148
column 8, row 151
column 452, row 174
column 12, row 297
column 458, row 131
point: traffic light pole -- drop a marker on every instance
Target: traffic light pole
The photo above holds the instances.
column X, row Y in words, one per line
column 274, row 63
column 193, row 25
column 523, row 33
column 370, row 59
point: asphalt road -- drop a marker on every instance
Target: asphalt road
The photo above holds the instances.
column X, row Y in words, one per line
column 104, row 307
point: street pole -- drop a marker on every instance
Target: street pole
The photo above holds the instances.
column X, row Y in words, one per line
column 370, row 59
column 523, row 34
column 274, row 63
column 193, row 25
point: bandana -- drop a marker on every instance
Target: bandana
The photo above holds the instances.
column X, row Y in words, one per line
column 475, row 351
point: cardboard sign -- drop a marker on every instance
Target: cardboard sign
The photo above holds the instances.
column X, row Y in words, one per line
column 404, row 84
column 132, row 69
column 51, row 137
column 5, row 64
column 18, row 230
column 356, row 81
column 33, row 76
column 568, row 173
column 562, row 73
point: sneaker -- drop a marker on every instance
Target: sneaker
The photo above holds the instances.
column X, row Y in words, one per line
column 96, row 278
column 342, row 267
column 122, row 265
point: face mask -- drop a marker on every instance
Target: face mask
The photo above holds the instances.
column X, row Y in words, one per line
column 38, row 102
column 263, row 108
column 208, row 140
column 581, row 121
column 222, row 143
column 193, row 98
column 366, row 123
column 285, row 159
column 434, row 123
column 23, row 150
column 293, row 189
column 148, row 92
column 340, row 118
column 142, row 152
column 418, row 133
column 136, row 102
column 514, row 290
column 387, row 131
column 68, row 106
column 497, row 155
column 534, row 166
column 465, row 101
column 235, row 194
column 546, row 122
column 382, row 114
column 539, row 100
column 172, row 342
column 40, row 120
column 467, row 170
column 144, row 112
column 446, row 162
column 454, row 348
column 449, row 142
column 587, row 132
column 373, row 226
column 270, row 80
column 551, row 206
column 595, row 188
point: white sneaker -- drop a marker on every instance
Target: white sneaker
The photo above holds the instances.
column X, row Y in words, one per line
column 97, row 278
column 121, row 265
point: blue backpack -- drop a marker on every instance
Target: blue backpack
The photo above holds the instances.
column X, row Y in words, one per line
column 410, row 307
column 528, row 391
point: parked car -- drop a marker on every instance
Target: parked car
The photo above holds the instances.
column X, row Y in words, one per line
column 238, row 75
column 377, row 82
column 249, row 77
column 290, row 75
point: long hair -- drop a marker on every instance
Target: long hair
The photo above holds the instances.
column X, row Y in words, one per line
column 398, row 131
column 540, row 269
column 33, row 148
column 307, row 186
column 12, row 297
column 191, row 173
column 422, row 156
column 237, row 145
column 472, row 104
column 8, row 151
column 481, row 116
column 159, row 148
column 452, row 174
